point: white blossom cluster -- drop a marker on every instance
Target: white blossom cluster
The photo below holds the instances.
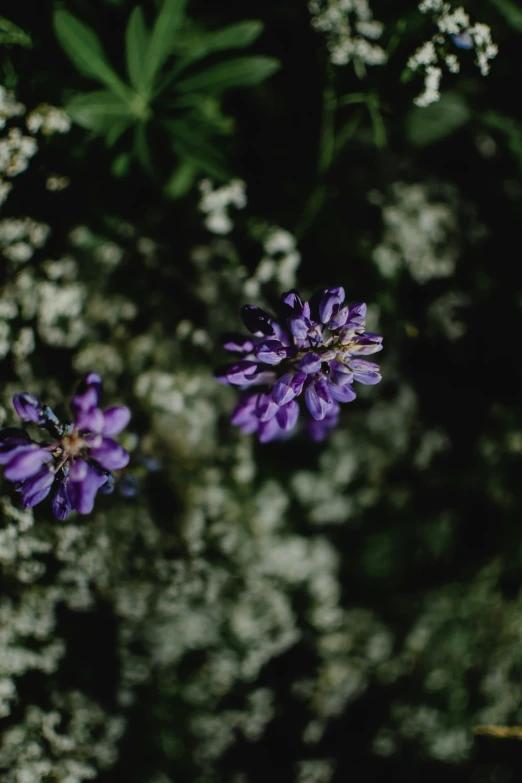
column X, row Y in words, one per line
column 71, row 742
column 20, row 237
column 16, row 147
column 215, row 203
column 9, row 106
column 204, row 597
column 420, row 234
column 446, row 314
column 280, row 262
column 16, row 150
column 53, row 302
column 48, row 119
column 453, row 28
column 451, row 639
column 351, row 31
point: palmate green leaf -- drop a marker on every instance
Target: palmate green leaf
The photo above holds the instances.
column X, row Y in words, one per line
column 195, row 149
column 100, row 111
column 239, row 72
column 236, row 36
column 136, row 48
column 163, row 37
column 204, row 110
column 83, row 47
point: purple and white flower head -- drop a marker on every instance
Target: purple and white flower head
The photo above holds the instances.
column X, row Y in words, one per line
column 312, row 352
column 79, row 459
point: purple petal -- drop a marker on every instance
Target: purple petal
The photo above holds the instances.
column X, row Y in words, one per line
column 347, row 333
column 11, row 435
column 61, row 502
column 330, row 303
column 270, row 352
column 321, row 387
column 292, row 301
column 368, row 378
column 25, row 463
column 357, row 313
column 338, row 319
column 240, row 374
column 362, row 364
column 319, row 430
column 237, row 343
column 266, row 408
column 12, row 440
column 340, row 373
column 115, row 420
column 310, row 362
column 28, row 408
column 79, row 470
column 87, row 394
column 315, row 400
column 82, row 487
column 89, row 421
column 342, row 393
column 269, row 430
column 108, row 453
column 108, row 485
column 244, row 412
column 299, row 326
column 315, row 301
column 288, row 386
column 366, row 344
column 287, row 415
column 257, row 321
column 35, row 489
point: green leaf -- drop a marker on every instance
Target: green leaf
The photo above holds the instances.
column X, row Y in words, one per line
column 136, row 48
column 11, row 35
column 203, row 109
column 142, row 148
column 84, row 49
column 118, row 129
column 379, row 128
column 195, row 149
column 351, row 98
column 511, row 12
column 99, row 111
column 428, row 125
column 239, row 72
column 121, row 165
column 236, row 36
column 163, row 36
column 181, row 180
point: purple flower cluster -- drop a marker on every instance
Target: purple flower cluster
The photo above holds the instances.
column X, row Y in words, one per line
column 77, row 462
column 314, row 349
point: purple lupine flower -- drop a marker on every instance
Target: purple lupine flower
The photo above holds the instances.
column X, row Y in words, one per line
column 306, row 360
column 79, row 459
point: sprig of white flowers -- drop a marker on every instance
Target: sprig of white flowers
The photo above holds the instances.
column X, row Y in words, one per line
column 351, row 31
column 432, row 56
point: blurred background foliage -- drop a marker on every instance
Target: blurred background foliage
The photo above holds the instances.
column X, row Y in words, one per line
column 235, row 610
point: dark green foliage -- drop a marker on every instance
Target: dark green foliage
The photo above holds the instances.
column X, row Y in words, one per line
column 165, row 80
